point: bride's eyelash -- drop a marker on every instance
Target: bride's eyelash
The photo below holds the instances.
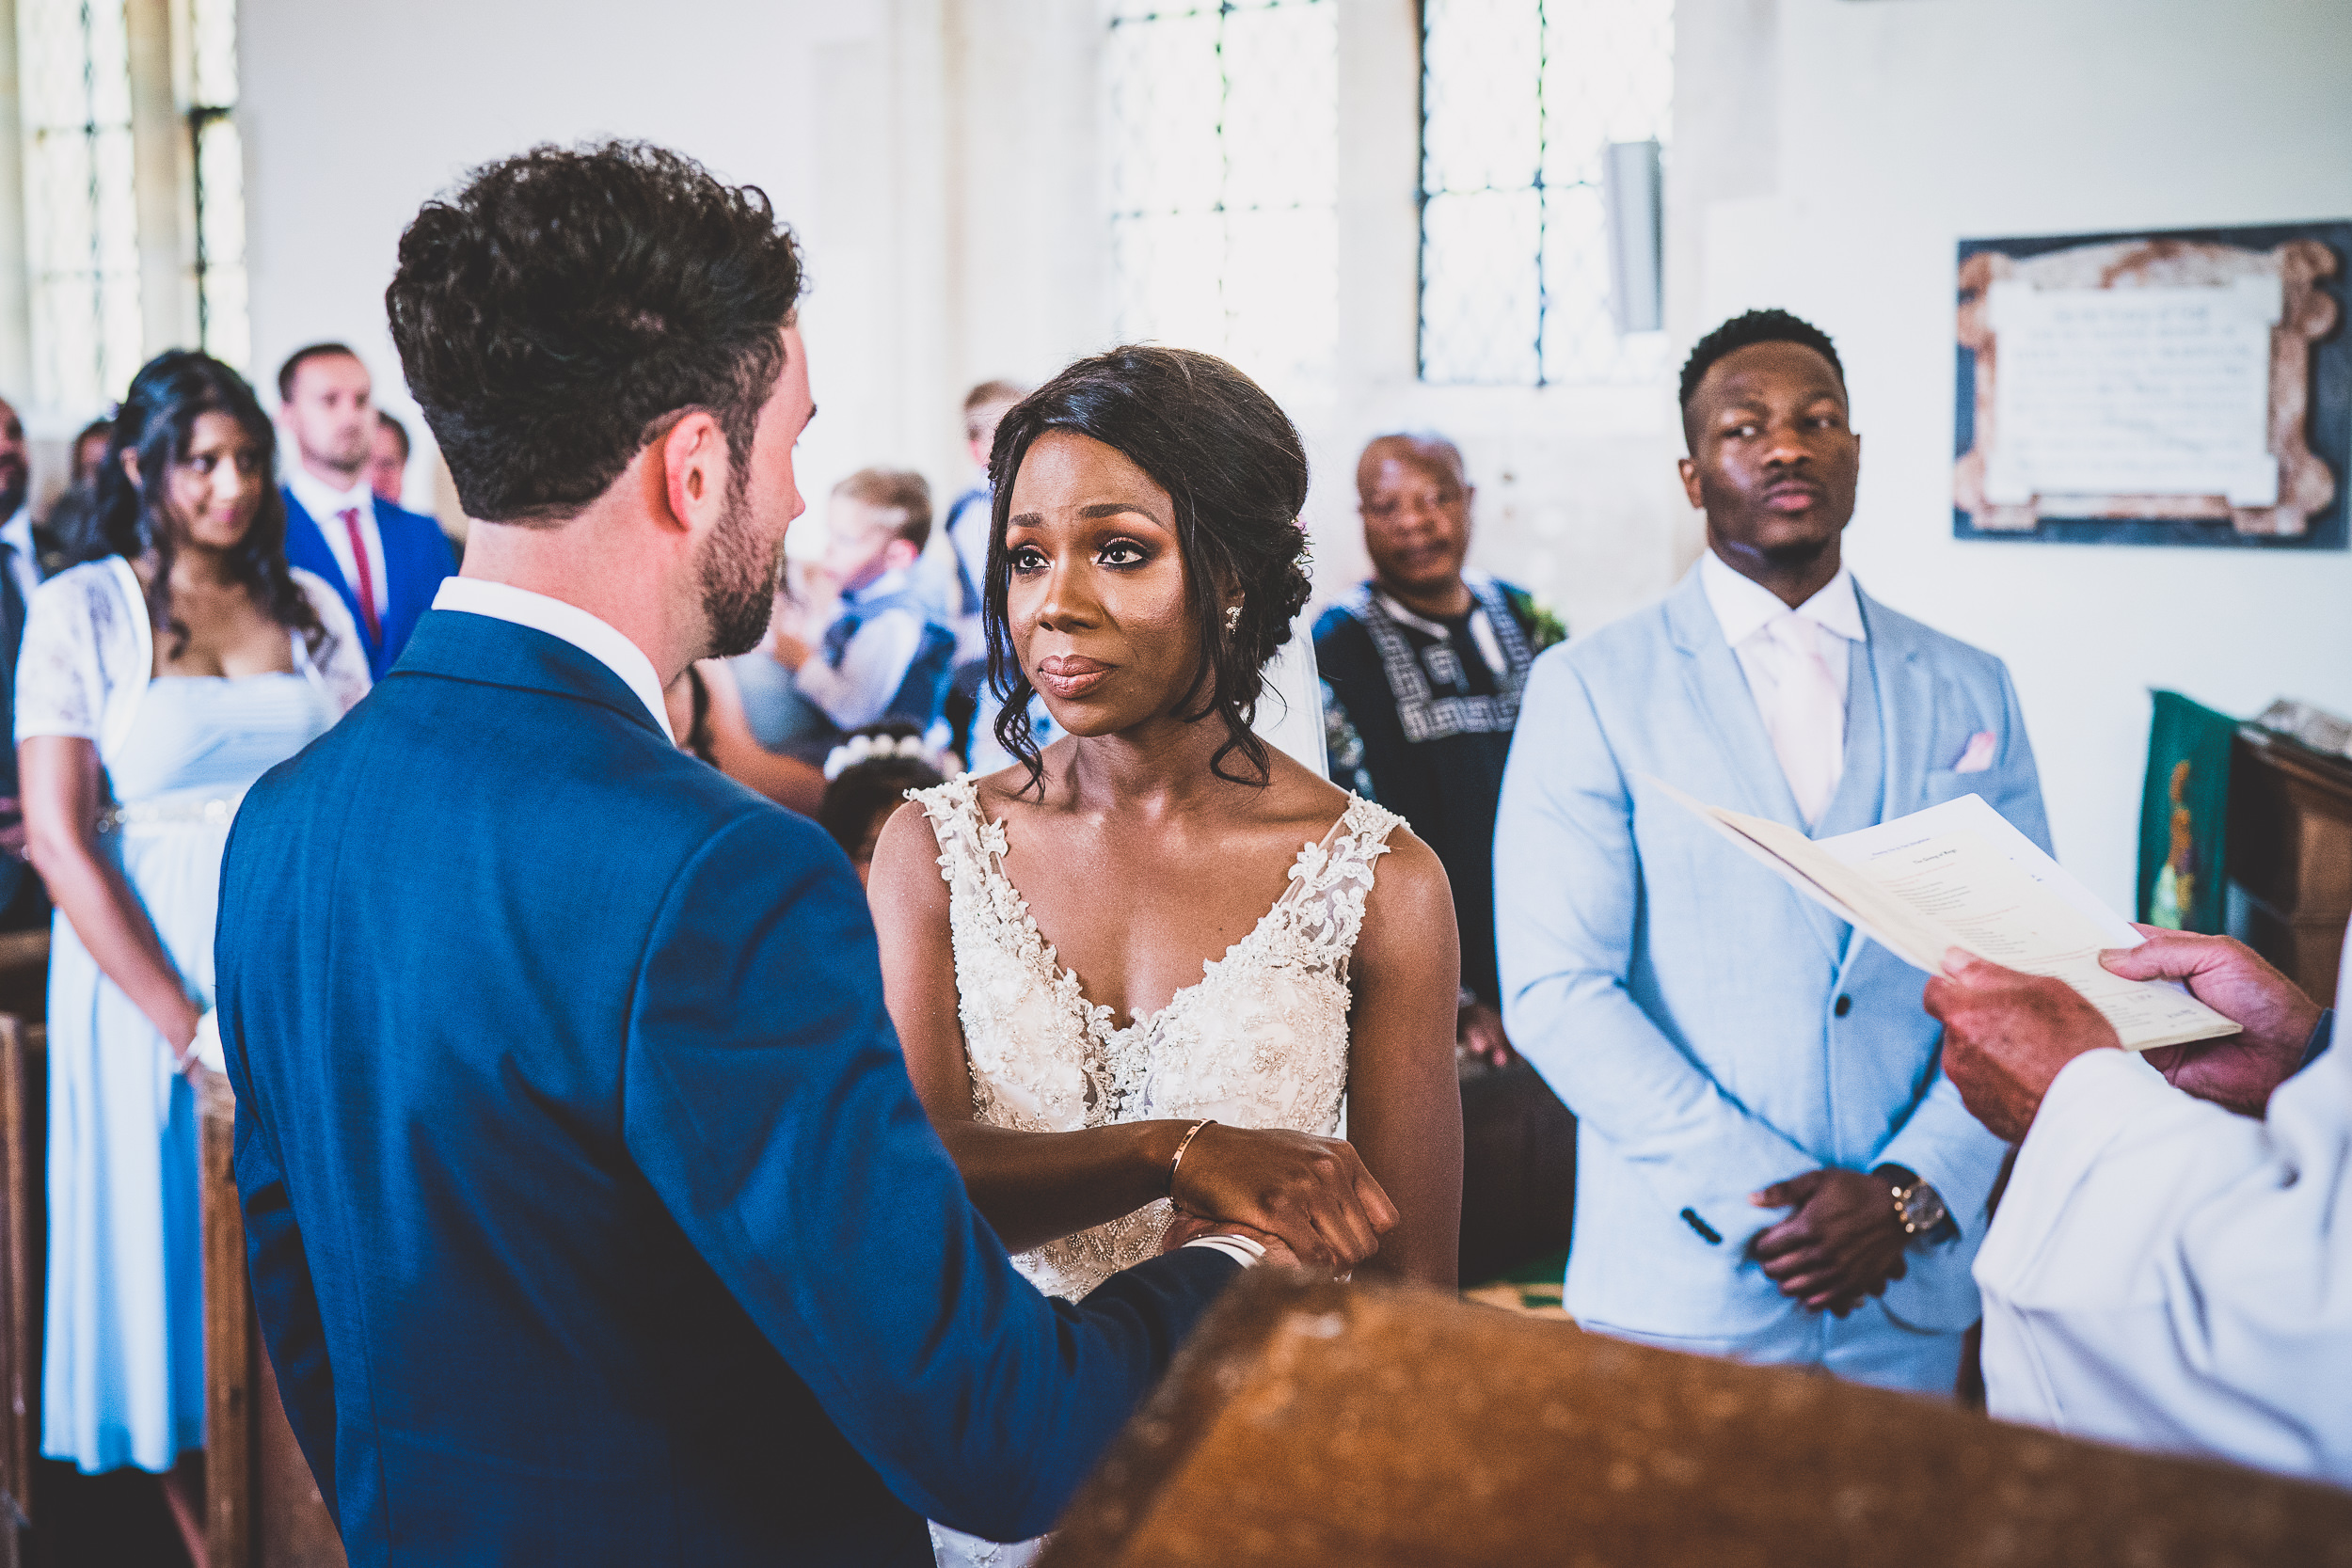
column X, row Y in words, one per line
column 1130, row 545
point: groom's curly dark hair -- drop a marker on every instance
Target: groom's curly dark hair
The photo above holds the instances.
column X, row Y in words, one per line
column 554, row 313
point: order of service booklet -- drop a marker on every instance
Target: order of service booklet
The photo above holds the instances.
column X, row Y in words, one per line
column 1959, row 875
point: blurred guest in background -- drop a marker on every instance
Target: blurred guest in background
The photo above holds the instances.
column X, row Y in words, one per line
column 2171, row 1264
column 385, row 562
column 1421, row 670
column 706, row 717
column 68, row 535
column 388, row 458
column 885, row 654
column 866, row 779
column 23, row 906
column 89, row 451
column 956, row 573
column 780, row 718
column 1769, row 1163
column 156, row 684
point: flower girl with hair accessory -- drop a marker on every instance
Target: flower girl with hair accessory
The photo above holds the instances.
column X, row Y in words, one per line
column 867, row 778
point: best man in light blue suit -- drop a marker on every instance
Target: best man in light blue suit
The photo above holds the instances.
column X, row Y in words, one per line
column 1771, row 1164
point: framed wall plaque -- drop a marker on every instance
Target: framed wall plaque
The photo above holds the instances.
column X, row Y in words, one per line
column 2192, row 387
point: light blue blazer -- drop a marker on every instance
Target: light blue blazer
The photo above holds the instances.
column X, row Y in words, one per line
column 1685, row 1003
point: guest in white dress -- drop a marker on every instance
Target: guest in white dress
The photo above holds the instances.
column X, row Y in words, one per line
column 156, row 684
column 1148, row 975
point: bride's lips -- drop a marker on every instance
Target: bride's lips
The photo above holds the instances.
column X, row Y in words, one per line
column 1070, row 676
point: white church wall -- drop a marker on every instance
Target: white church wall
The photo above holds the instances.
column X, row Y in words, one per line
column 1902, row 128
column 942, row 159
column 353, row 115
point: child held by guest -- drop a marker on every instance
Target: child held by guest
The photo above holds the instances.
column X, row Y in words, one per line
column 886, row 656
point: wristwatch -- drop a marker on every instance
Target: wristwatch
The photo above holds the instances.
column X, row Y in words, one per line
column 1918, row 1207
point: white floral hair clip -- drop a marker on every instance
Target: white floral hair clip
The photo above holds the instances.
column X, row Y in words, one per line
column 873, row 748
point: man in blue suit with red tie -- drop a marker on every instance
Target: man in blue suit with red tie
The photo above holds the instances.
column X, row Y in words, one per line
column 592, row 1215
column 386, row 562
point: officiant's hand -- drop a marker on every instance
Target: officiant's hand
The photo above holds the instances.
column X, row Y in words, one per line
column 1313, row 1192
column 2238, row 1071
column 2007, row 1036
column 1191, row 1227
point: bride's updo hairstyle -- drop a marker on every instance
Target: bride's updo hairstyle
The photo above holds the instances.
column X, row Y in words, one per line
column 1231, row 461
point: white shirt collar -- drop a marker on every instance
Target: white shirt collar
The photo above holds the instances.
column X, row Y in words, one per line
column 1743, row 606
column 598, row 639
column 16, row 533
column 321, row 502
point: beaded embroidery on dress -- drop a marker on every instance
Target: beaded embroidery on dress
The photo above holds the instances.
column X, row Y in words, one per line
column 1259, row 1040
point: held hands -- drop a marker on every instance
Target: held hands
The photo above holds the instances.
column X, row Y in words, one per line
column 1845, row 1241
column 1311, row 1193
column 1191, row 1227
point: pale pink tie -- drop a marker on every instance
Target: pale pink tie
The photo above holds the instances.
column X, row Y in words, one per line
column 1806, row 719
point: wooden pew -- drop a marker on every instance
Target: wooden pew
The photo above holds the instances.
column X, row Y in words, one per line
column 262, row 1504
column 1311, row 1425
column 23, row 1218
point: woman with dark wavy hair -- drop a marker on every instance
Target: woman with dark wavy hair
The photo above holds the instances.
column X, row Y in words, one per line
column 155, row 684
column 1136, row 973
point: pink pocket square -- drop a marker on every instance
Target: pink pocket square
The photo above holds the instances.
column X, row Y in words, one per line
column 1977, row 755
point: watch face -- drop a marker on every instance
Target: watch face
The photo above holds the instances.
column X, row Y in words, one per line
column 1923, row 1208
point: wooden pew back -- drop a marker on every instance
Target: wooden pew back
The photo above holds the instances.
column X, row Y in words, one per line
column 1309, row 1425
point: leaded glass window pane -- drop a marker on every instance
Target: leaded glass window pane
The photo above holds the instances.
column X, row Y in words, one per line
column 1519, row 98
column 81, row 212
column 1223, row 179
column 223, row 325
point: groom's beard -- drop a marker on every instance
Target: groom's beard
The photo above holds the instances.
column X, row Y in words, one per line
column 739, row 579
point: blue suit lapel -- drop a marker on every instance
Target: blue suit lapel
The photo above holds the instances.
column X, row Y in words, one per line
column 1720, row 695
column 1907, row 687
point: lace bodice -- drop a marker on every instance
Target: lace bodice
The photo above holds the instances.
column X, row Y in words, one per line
column 1259, row 1040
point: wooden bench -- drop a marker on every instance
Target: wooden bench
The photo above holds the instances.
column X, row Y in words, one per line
column 1311, row 1425
column 23, row 1218
column 263, row 1507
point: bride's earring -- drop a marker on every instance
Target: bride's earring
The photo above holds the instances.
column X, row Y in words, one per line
column 1232, row 619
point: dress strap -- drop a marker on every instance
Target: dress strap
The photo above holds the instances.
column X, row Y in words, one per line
column 1330, row 881
column 966, row 839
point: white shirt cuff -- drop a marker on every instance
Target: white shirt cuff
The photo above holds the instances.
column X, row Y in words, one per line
column 1240, row 1249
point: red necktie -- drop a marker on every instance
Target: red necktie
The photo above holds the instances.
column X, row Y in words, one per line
column 367, row 578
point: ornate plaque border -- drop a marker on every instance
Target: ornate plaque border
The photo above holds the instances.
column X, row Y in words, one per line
column 2311, row 386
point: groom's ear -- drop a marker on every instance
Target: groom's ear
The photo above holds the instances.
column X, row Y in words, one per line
column 686, row 468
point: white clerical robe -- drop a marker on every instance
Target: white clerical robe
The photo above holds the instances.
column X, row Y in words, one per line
column 2165, row 1274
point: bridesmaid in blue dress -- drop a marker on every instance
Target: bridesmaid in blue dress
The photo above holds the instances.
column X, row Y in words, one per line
column 156, row 684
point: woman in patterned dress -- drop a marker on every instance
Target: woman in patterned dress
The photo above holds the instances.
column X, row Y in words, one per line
column 1160, row 929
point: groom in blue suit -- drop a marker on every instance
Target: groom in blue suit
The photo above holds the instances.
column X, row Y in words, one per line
column 592, row 1218
column 1770, row 1162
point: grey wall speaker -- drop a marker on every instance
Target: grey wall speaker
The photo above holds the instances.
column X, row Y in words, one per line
column 1632, row 188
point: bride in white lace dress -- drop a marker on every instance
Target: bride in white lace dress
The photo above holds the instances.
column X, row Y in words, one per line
column 1148, row 975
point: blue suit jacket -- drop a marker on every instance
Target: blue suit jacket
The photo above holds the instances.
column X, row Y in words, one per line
column 1682, row 999
column 415, row 558
column 592, row 1215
